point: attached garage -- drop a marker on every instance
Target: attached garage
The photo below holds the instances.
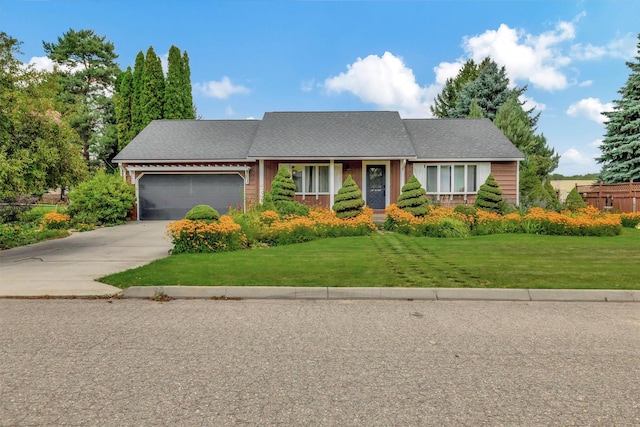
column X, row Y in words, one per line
column 170, row 196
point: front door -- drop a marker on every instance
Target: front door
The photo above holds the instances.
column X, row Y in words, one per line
column 376, row 189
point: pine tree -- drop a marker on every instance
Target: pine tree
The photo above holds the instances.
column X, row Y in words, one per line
column 445, row 103
column 491, row 89
column 173, row 93
column 136, row 100
column 188, row 109
column 621, row 145
column 413, row 198
column 348, row 202
column 152, row 95
column 475, row 112
column 122, row 101
column 489, row 196
column 282, row 187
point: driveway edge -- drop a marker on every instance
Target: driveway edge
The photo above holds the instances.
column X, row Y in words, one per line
column 333, row 293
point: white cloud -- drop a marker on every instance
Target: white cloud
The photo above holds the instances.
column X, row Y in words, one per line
column 573, row 156
column 164, row 61
column 220, row 89
column 596, row 144
column 386, row 82
column 534, row 58
column 307, row 85
column 590, row 108
column 623, row 47
column 586, row 83
column 229, row 110
column 447, row 70
column 44, row 63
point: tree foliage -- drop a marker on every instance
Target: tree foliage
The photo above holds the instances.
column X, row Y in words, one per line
column 620, row 147
column 87, row 71
column 38, row 148
column 123, row 102
column 282, row 187
column 413, row 198
column 445, row 102
column 136, row 101
column 574, row 201
column 178, row 102
column 153, row 87
column 348, row 202
column 489, row 196
column 103, row 199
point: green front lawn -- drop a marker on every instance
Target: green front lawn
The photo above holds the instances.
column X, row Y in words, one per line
column 497, row 261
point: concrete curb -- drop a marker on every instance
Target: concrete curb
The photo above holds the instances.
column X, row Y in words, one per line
column 432, row 294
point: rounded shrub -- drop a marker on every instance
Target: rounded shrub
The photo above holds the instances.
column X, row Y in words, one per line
column 104, row 199
column 465, row 210
column 348, row 201
column 489, row 196
column 574, row 201
column 282, row 186
column 202, row 213
column 413, row 198
column 289, row 207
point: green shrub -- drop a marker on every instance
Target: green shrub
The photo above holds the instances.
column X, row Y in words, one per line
column 202, row 213
column 489, row 195
column 105, row 198
column 282, row 186
column 289, row 207
column 36, row 213
column 267, row 203
column 413, row 198
column 14, row 235
column 444, row 227
column 574, row 201
column 538, row 196
column 465, row 210
column 348, row 201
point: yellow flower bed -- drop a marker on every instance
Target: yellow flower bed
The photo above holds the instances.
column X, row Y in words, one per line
column 200, row 236
column 585, row 222
column 55, row 220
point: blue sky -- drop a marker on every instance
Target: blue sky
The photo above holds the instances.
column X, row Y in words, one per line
column 249, row 57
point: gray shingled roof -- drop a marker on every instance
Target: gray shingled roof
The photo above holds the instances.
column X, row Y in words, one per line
column 458, row 139
column 191, row 140
column 345, row 134
column 313, row 135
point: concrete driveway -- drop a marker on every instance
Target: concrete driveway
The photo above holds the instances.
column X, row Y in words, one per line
column 69, row 266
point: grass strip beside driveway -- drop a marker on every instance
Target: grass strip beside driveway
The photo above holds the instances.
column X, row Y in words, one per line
column 498, row 261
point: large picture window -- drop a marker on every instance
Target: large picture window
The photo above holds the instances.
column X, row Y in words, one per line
column 450, row 179
column 313, row 179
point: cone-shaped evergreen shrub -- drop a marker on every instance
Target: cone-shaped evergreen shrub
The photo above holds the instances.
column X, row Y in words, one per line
column 282, row 186
column 414, row 198
column 489, row 196
column 348, row 202
column 574, row 201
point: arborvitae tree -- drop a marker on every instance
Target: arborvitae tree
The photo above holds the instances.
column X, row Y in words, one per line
column 553, row 194
column 489, row 196
column 621, row 145
column 413, row 198
column 152, row 96
column 122, row 101
column 538, row 196
column 574, row 200
column 491, row 89
column 173, row 99
column 188, row 109
column 445, row 103
column 475, row 112
column 348, row 201
column 283, row 188
column 136, row 100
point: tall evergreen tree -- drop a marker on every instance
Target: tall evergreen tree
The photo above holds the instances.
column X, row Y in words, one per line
column 621, row 145
column 490, row 89
column 152, row 96
column 122, row 101
column 173, row 92
column 136, row 100
column 188, row 109
column 87, row 73
column 445, row 103
column 475, row 112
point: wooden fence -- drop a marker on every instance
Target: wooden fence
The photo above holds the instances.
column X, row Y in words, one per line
column 612, row 197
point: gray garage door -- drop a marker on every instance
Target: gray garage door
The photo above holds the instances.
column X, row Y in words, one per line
column 164, row 196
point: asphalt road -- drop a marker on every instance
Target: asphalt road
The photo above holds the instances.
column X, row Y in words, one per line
column 340, row 363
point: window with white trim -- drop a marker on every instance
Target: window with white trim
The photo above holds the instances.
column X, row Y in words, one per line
column 451, row 178
column 313, row 179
